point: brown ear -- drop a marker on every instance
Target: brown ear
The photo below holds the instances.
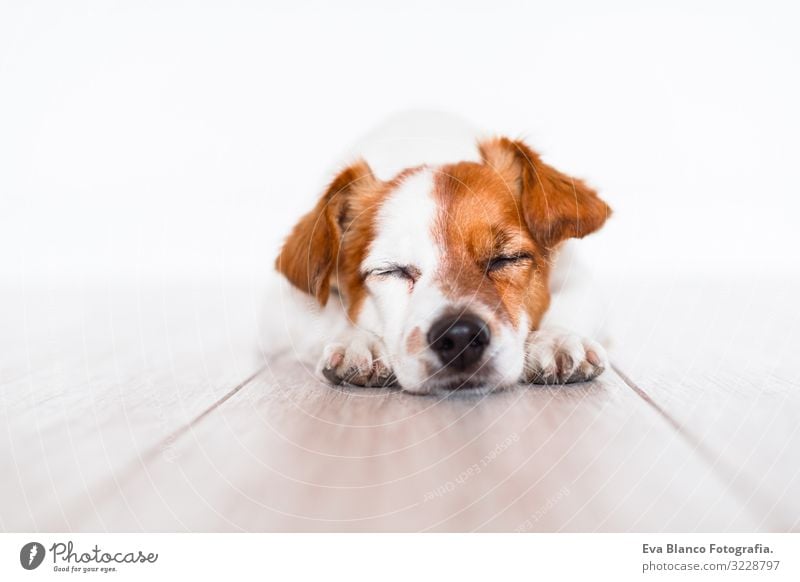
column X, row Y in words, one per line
column 309, row 255
column 554, row 205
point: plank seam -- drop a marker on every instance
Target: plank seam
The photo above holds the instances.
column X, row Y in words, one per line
column 176, row 434
column 146, row 457
column 718, row 466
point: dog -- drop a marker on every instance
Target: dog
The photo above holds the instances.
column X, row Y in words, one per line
column 436, row 274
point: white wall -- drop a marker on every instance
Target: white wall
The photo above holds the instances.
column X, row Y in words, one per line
column 174, row 140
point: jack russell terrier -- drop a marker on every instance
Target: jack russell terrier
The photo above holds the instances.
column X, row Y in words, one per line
column 428, row 262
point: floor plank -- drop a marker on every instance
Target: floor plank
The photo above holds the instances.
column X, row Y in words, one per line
column 719, row 359
column 290, row 453
column 93, row 379
column 145, row 410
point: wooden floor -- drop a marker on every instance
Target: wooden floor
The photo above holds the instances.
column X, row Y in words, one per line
column 152, row 410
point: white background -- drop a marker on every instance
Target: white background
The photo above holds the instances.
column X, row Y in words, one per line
column 178, row 141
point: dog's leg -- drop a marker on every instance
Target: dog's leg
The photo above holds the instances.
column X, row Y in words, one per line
column 561, row 351
column 359, row 360
column 293, row 323
column 557, row 356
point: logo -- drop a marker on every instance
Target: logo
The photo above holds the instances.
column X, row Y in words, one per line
column 31, row 555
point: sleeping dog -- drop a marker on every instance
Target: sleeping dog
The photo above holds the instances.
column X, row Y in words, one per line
column 437, row 275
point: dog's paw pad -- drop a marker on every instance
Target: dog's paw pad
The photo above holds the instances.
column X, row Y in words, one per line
column 562, row 358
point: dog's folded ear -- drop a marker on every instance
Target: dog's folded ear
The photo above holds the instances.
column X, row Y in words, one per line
column 310, row 254
column 554, row 206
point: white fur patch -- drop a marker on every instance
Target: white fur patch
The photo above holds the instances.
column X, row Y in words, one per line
column 404, row 236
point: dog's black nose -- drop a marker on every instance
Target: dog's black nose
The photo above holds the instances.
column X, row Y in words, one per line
column 459, row 341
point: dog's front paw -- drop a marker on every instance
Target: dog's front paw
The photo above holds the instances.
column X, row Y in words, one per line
column 360, row 361
column 560, row 357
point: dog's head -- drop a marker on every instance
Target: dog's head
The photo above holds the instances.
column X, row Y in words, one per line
column 448, row 265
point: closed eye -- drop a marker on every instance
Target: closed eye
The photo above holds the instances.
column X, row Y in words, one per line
column 400, row 271
column 502, row 261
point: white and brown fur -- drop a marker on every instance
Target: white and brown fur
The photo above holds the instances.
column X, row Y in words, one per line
column 383, row 255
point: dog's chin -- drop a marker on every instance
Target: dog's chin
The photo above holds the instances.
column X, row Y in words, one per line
column 425, row 376
column 459, row 383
